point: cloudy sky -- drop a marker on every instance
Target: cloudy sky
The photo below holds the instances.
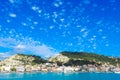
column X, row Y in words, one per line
column 46, row 27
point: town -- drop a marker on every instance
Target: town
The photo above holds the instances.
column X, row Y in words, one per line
column 49, row 67
column 32, row 63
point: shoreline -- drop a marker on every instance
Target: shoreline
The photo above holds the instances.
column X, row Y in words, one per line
column 57, row 72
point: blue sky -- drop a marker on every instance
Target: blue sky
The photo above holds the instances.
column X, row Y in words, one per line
column 44, row 28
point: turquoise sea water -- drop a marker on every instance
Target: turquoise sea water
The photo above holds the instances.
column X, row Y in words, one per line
column 59, row 76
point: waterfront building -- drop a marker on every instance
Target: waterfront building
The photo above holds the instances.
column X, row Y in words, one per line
column 68, row 69
column 7, row 69
column 28, row 68
column 20, row 68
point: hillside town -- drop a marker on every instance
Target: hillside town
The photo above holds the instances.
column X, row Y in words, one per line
column 53, row 67
column 23, row 63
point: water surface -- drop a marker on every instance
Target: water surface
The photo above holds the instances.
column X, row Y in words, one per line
column 59, row 76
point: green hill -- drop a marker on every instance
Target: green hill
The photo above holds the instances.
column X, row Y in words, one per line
column 66, row 58
column 81, row 58
column 22, row 59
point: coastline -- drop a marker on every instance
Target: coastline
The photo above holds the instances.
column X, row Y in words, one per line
column 56, row 72
column 30, row 63
column 48, row 67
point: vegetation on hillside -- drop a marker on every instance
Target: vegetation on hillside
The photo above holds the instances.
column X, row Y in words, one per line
column 81, row 58
column 30, row 59
column 65, row 58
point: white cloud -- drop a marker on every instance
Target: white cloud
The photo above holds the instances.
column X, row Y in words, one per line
column 62, row 19
column 35, row 8
column 41, row 50
column 8, row 42
column 32, row 27
column 56, row 5
column 16, row 2
column 103, row 37
column 83, row 29
column 11, row 1
column 51, row 27
column 55, row 15
column 100, row 30
column 12, row 15
column 24, row 24
column 4, row 55
column 27, row 46
column 85, row 34
column 20, row 46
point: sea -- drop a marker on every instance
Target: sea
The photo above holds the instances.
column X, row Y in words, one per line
column 59, row 76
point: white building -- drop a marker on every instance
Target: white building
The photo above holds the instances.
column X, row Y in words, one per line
column 20, row 69
column 68, row 69
column 7, row 68
column 60, row 69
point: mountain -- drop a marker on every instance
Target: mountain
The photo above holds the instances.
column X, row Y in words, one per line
column 22, row 59
column 66, row 58
column 81, row 58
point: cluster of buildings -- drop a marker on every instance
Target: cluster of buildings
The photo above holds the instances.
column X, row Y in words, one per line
column 20, row 63
column 53, row 67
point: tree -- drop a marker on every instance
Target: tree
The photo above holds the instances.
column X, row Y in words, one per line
column 13, row 69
